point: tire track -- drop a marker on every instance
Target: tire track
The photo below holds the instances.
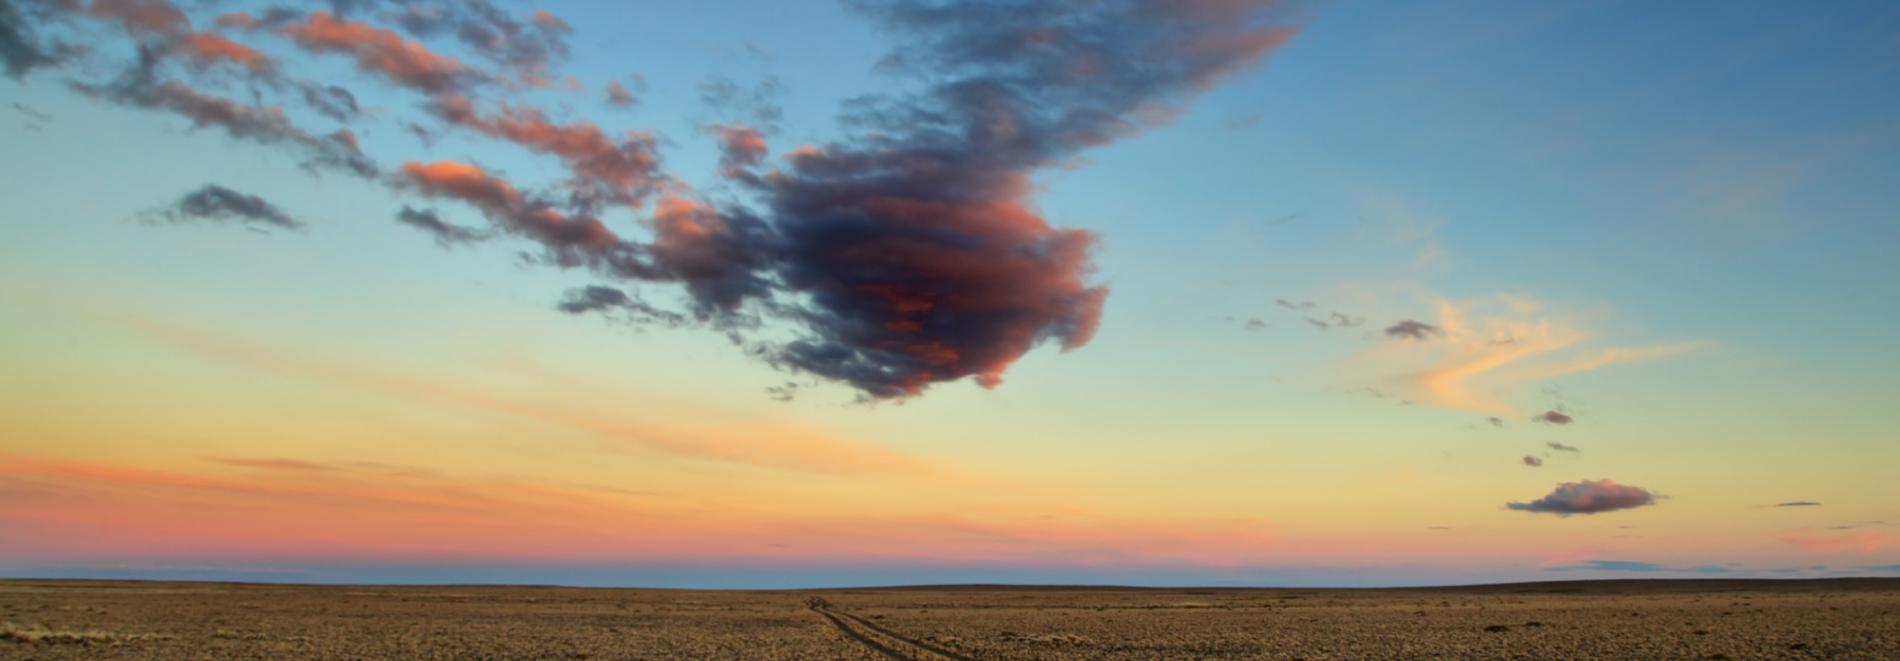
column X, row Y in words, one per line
column 917, row 643
column 820, row 606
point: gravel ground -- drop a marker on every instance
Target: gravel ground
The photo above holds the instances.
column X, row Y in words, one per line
column 1710, row 620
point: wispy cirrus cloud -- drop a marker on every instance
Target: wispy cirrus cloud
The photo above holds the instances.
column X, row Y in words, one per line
column 733, row 442
column 1478, row 352
column 219, row 204
column 297, row 509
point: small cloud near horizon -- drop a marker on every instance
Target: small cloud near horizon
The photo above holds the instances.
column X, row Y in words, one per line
column 1554, row 418
column 1416, row 330
column 1588, row 497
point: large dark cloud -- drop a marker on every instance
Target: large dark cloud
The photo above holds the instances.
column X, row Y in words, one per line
column 1588, row 497
column 916, row 248
column 217, row 203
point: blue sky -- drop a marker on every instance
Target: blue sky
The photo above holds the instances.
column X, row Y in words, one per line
column 1673, row 223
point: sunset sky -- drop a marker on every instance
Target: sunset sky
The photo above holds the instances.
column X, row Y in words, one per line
column 799, row 293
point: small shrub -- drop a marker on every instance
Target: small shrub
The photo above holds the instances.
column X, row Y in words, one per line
column 1718, row 656
column 1533, row 623
column 1700, row 632
column 1496, row 628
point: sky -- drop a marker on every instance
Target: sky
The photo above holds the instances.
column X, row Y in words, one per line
column 819, row 293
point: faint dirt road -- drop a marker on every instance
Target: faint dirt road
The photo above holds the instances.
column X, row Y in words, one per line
column 892, row 651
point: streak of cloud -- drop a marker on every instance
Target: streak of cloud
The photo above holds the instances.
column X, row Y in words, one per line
column 611, row 301
column 1413, row 329
column 620, row 171
column 1533, row 462
column 1562, row 448
column 446, row 234
column 140, row 87
column 30, row 112
column 1588, row 497
column 734, row 443
column 508, row 207
column 382, row 52
column 331, row 101
column 1468, row 368
column 1554, row 418
column 297, row 508
column 217, row 203
column 1800, row 503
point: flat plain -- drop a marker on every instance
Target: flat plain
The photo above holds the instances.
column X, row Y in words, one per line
column 1710, row 620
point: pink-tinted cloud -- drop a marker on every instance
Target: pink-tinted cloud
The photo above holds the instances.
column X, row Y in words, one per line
column 209, row 48
column 619, row 96
column 268, row 125
column 302, row 509
column 1859, row 543
column 622, row 171
column 741, row 149
column 161, row 19
column 144, row 17
column 505, row 205
column 1482, row 349
column 1588, row 497
column 732, row 442
column 381, row 52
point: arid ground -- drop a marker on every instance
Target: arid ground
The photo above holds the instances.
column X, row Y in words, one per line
column 1828, row 619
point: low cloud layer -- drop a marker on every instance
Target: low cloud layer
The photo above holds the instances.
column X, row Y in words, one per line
column 1588, row 497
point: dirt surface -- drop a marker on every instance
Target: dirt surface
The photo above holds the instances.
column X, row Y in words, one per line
column 1711, row 620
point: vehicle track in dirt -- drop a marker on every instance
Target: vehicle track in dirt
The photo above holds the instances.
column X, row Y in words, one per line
column 820, row 606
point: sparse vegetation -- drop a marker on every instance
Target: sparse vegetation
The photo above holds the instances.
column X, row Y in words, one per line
column 71, row 622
